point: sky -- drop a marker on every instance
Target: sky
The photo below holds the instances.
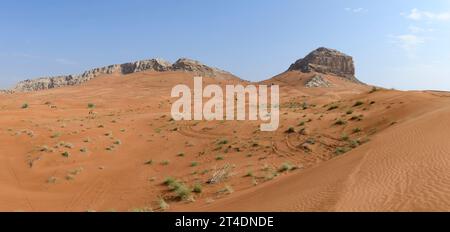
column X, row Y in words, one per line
column 402, row 44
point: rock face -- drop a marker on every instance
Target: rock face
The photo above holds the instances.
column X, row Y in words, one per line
column 188, row 65
column 157, row 65
column 327, row 61
column 318, row 81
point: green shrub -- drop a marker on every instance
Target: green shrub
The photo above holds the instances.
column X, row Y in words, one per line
column 195, row 164
column 169, row 181
column 66, row 154
column 197, row 188
column 358, row 103
column 25, row 105
column 286, row 167
column 341, row 150
column 91, row 105
column 340, row 122
column 290, row 130
column 333, row 107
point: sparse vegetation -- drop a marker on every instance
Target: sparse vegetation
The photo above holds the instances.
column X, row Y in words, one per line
column 163, row 204
column 181, row 154
column 91, row 105
column 340, row 122
column 345, row 137
column 219, row 157
column 182, row 192
column 55, row 135
column 341, row 150
column 333, row 107
column 52, row 180
column 197, row 188
column 290, row 130
column 226, row 190
column 249, row 174
column 358, row 103
column 148, row 162
column 165, row 162
column 222, row 142
column 25, row 106
column 169, row 181
column 356, row 130
column 357, row 118
column 195, row 164
column 66, row 154
column 285, row 167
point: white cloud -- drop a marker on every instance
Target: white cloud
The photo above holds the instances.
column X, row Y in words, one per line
column 419, row 15
column 356, row 10
column 408, row 42
column 64, row 61
column 417, row 30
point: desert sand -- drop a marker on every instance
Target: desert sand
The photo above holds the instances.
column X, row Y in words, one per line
column 110, row 144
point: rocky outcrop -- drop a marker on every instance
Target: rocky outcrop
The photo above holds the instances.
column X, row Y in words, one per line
column 317, row 82
column 188, row 65
column 327, row 61
column 156, row 65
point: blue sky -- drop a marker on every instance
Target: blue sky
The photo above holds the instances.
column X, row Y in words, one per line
column 403, row 44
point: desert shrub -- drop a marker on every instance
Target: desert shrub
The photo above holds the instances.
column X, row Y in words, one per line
column 55, row 135
column 333, row 107
column 165, row 162
column 227, row 190
column 195, row 164
column 25, row 105
column 249, row 174
column 182, row 192
column 341, row 150
column 340, row 122
column 169, row 181
column 286, row 167
column 181, row 154
column 358, row 103
column 66, row 154
column 356, row 130
column 345, row 137
column 91, row 105
column 290, row 130
column 162, row 204
column 197, row 188
column 223, row 142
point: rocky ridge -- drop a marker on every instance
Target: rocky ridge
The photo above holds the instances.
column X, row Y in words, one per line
column 157, row 65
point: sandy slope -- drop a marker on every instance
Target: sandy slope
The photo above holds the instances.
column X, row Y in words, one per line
column 399, row 159
column 405, row 168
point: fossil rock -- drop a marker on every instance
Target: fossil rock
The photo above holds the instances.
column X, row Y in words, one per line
column 327, row 61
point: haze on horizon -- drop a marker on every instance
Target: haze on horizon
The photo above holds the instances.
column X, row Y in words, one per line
column 402, row 45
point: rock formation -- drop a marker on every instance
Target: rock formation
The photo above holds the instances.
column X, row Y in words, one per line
column 317, row 81
column 156, row 65
column 327, row 61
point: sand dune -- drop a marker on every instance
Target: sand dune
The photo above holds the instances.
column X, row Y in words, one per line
column 388, row 152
